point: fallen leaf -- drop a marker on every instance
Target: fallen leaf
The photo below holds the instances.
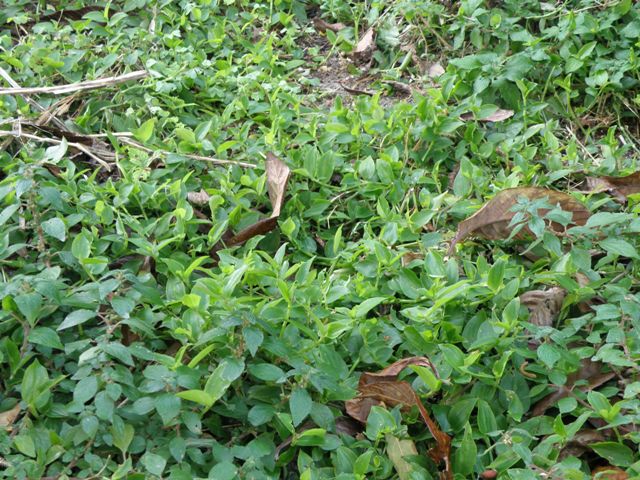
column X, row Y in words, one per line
column 499, row 115
column 322, row 26
column 397, row 449
column 579, row 444
column 357, row 91
column 609, row 473
column 409, row 257
column 198, row 198
column 393, row 370
column 619, row 187
column 493, row 219
column 544, row 305
column 7, row 418
column 589, row 370
column 348, row 426
column 277, row 177
column 365, row 46
column 435, row 70
column 261, row 227
column 383, row 388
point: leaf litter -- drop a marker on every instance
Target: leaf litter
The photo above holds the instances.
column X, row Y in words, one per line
column 384, row 389
column 493, row 220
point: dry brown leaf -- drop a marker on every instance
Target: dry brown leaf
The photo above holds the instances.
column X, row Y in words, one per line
column 277, row 178
column 435, row 70
column 589, row 370
column 492, row 220
column 544, row 305
column 609, row 473
column 383, row 388
column 409, row 257
column 499, row 115
column 322, row 26
column 365, row 46
column 579, row 444
column 198, row 198
column 397, row 449
column 393, row 370
column 7, row 418
column 619, row 187
column 357, row 91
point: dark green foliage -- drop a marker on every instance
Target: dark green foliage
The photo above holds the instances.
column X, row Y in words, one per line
column 135, row 353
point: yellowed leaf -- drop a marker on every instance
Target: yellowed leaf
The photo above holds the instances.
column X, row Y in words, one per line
column 7, row 418
column 397, row 450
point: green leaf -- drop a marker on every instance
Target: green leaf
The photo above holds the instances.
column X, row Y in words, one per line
column 85, row 389
column 8, row 212
column 300, row 404
column 177, row 448
column 267, row 372
column 55, row 228
column 549, row 354
column 75, row 318
column 313, row 437
column 34, row 383
column 122, row 434
column 198, row 396
column 45, row 336
column 465, row 456
column 224, row 471
column 253, row 338
column 144, row 132
column 119, row 352
column 366, row 306
column 168, row 407
column 25, row 445
column 615, row 453
column 29, row 305
column 618, row 246
column 154, row 463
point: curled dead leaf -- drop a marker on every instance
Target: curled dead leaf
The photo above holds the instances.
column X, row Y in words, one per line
column 609, row 473
column 493, row 219
column 277, row 178
column 619, row 187
column 322, row 26
column 579, row 444
column 198, row 198
column 544, row 305
column 392, row 371
column 365, row 46
column 499, row 115
column 409, row 257
column 7, row 418
column 382, row 388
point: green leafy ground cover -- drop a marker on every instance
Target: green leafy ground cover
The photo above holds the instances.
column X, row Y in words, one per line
column 136, row 343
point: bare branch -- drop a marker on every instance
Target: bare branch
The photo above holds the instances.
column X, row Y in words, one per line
column 78, row 146
column 217, row 161
column 75, row 87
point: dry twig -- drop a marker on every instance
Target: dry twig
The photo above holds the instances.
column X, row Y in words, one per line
column 75, row 87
